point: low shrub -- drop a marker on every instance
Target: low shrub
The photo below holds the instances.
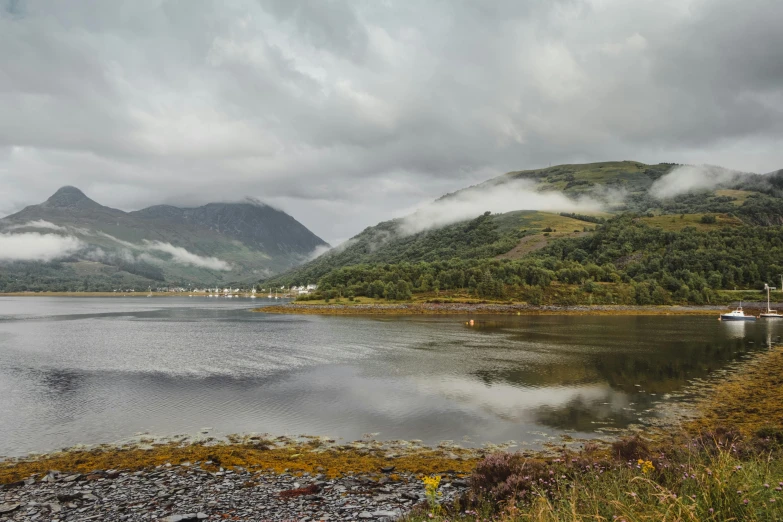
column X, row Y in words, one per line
column 630, row 448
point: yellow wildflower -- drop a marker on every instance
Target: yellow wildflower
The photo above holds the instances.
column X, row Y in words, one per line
column 646, row 465
column 431, row 485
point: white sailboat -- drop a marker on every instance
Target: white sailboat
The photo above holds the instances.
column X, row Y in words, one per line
column 770, row 313
column 737, row 315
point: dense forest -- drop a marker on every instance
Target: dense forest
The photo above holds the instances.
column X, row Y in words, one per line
column 625, row 262
column 483, row 237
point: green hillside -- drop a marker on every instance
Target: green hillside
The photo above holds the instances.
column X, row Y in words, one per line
column 626, row 261
column 693, row 247
column 585, row 178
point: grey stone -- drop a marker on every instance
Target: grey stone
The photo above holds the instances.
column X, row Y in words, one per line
column 133, row 497
column 386, row 514
column 8, row 508
column 186, row 517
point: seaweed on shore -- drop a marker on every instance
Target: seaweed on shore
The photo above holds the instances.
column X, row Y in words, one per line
column 278, row 456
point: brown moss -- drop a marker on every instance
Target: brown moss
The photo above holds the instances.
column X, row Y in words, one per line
column 297, row 458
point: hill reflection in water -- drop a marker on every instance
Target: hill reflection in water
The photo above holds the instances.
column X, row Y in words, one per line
column 99, row 370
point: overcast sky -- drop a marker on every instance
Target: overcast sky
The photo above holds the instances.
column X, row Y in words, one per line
column 345, row 113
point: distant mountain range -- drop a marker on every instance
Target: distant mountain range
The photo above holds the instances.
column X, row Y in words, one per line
column 70, row 242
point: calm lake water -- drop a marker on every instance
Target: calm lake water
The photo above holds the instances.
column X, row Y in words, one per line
column 90, row 370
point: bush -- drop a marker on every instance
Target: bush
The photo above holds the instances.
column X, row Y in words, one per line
column 506, row 476
column 630, row 448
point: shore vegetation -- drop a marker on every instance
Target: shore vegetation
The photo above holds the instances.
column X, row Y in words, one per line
column 725, row 463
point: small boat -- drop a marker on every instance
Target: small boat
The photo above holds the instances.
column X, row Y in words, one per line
column 770, row 313
column 737, row 315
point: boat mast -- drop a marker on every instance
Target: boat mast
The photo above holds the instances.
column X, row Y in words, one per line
column 768, row 308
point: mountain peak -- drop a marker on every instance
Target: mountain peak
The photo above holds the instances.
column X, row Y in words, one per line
column 70, row 197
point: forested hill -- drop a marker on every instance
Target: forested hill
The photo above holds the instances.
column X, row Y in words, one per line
column 714, row 229
column 486, row 236
column 71, row 242
column 627, row 260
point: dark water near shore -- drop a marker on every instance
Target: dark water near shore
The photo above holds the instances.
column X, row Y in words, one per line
column 90, row 370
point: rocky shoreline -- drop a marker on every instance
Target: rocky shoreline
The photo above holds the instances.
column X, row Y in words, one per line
column 189, row 492
column 484, row 309
column 245, row 478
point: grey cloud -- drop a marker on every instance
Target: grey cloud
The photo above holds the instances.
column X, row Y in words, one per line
column 333, row 25
column 496, row 198
column 184, row 257
column 37, row 224
column 349, row 113
column 32, row 246
column 693, row 178
column 175, row 254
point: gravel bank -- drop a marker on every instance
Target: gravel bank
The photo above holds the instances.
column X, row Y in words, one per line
column 187, row 492
column 484, row 308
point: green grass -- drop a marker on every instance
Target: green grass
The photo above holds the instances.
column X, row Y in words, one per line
column 555, row 294
column 696, row 486
column 580, row 178
column 739, row 195
column 535, row 221
column 673, row 222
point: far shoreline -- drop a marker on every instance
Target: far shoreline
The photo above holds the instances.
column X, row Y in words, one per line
column 401, row 309
column 106, row 294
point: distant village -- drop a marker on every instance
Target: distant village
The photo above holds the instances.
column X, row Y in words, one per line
column 252, row 292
